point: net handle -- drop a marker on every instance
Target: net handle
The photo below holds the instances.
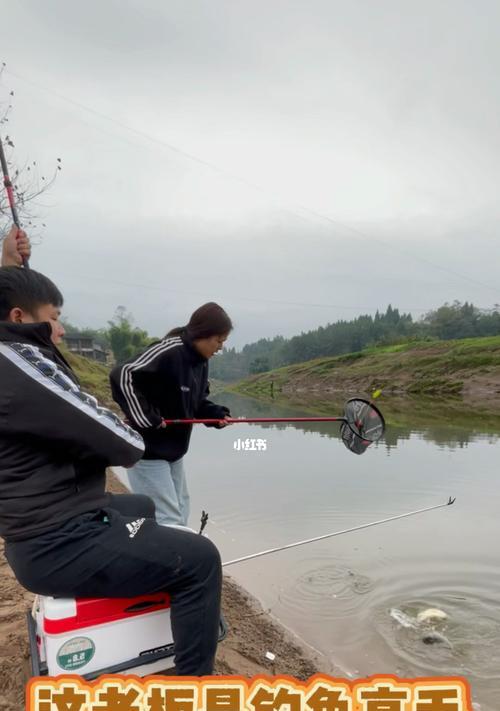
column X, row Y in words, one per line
column 234, row 421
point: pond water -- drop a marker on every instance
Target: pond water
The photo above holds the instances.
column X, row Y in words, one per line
column 344, row 595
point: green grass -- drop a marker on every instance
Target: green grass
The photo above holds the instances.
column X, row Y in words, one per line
column 93, row 376
column 423, row 367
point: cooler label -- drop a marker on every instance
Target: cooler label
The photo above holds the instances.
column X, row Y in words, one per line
column 75, row 653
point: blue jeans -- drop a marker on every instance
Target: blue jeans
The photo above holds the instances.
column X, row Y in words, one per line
column 165, row 483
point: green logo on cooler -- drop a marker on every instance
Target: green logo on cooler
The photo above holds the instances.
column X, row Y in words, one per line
column 75, row 653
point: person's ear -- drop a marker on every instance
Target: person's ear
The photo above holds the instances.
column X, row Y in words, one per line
column 16, row 315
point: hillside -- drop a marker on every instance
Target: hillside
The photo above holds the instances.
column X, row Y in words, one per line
column 93, row 376
column 469, row 368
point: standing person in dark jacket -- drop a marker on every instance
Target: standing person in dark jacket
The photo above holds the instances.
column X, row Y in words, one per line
column 64, row 535
column 169, row 380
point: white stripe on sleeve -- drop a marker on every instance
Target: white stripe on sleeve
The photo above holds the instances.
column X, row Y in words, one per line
column 47, row 373
column 126, row 377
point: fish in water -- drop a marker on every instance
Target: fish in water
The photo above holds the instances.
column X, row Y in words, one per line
column 432, row 614
column 435, row 638
column 403, row 619
column 423, row 619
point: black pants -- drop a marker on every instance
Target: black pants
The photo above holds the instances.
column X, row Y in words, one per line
column 98, row 555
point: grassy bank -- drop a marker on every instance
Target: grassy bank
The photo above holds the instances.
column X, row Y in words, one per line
column 468, row 367
column 93, row 376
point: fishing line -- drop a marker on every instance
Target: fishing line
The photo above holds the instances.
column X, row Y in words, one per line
column 237, row 297
column 232, row 176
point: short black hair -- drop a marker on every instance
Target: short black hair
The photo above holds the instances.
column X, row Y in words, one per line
column 26, row 289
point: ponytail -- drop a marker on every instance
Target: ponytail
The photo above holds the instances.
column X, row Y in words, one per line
column 207, row 321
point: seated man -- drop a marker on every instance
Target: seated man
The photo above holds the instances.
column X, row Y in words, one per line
column 65, row 536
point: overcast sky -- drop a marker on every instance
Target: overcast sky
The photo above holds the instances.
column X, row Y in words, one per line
column 347, row 155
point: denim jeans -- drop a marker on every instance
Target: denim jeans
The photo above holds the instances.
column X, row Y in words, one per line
column 165, row 483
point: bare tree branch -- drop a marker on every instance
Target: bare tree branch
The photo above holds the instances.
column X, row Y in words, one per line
column 29, row 183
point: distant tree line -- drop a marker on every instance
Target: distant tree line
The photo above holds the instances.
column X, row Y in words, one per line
column 449, row 321
column 456, row 320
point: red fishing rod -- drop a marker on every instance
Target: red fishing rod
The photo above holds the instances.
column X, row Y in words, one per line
column 240, row 420
column 9, row 189
column 362, row 423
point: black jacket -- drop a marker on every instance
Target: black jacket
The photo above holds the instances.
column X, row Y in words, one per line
column 55, row 441
column 169, row 380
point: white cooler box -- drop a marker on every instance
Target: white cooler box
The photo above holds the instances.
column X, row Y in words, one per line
column 90, row 637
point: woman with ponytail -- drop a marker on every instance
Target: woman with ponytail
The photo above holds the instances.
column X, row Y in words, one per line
column 169, row 380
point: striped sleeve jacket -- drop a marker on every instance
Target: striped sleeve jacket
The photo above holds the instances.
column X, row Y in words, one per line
column 55, row 440
column 169, row 380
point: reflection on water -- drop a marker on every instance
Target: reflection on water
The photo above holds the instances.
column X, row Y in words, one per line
column 443, row 422
column 337, row 594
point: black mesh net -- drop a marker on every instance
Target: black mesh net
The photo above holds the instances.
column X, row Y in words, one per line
column 364, row 424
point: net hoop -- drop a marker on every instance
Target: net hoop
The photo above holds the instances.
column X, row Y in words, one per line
column 364, row 420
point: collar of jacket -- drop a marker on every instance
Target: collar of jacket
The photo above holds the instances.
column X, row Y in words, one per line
column 195, row 355
column 35, row 334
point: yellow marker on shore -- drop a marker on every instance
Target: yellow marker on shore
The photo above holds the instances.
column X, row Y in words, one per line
column 376, row 394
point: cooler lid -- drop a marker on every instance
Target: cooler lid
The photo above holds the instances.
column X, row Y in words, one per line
column 67, row 614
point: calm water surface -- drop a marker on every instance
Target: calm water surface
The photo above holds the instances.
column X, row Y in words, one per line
column 337, row 594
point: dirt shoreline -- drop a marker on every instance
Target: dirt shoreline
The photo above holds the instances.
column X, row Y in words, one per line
column 251, row 633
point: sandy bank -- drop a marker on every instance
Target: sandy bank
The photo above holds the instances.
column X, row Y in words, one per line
column 252, row 633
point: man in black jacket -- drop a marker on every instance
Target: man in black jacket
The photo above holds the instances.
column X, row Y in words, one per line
column 65, row 536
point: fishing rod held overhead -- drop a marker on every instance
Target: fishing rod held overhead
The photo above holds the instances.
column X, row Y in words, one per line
column 336, row 533
column 362, row 423
column 9, row 189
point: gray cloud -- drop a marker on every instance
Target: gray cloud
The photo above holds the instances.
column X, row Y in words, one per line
column 382, row 116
